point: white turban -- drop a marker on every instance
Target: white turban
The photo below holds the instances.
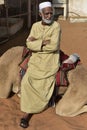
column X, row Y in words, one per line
column 44, row 5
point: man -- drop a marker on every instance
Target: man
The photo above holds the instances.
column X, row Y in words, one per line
column 38, row 83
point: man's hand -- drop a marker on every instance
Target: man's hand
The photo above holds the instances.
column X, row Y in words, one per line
column 31, row 39
column 45, row 42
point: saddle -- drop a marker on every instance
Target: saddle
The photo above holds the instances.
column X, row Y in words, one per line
column 61, row 76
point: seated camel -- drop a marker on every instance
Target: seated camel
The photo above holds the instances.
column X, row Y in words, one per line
column 9, row 71
column 74, row 99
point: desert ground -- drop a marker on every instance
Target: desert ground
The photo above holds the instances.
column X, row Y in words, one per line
column 74, row 40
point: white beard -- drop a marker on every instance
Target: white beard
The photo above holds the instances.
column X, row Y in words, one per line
column 47, row 21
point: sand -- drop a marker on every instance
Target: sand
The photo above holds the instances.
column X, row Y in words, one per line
column 74, row 40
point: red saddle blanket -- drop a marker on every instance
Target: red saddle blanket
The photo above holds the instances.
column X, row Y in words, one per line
column 61, row 76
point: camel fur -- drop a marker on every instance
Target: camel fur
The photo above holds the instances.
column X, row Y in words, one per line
column 9, row 71
column 74, row 100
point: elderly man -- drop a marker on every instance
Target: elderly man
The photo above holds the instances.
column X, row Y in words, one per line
column 38, row 83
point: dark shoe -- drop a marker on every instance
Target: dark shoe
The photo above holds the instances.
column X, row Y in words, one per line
column 24, row 123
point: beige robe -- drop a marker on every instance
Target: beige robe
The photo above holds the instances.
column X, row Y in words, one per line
column 38, row 83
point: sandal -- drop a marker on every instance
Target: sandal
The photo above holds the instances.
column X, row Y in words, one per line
column 24, row 123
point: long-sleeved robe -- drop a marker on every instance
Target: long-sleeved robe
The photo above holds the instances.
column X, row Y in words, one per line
column 38, row 83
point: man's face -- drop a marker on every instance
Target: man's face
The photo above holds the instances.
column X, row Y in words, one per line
column 47, row 15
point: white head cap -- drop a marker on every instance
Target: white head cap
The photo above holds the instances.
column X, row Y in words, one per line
column 44, row 5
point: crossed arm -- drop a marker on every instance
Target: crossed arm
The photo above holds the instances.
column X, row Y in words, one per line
column 44, row 42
